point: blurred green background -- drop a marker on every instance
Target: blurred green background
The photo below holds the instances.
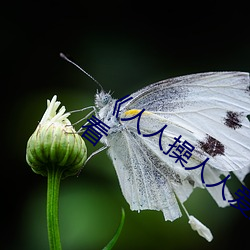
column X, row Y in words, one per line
column 125, row 47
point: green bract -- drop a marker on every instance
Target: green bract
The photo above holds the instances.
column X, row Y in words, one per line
column 55, row 144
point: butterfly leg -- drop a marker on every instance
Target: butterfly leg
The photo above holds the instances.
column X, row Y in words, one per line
column 86, row 116
column 94, row 153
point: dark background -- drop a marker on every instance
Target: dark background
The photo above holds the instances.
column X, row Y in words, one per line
column 125, row 45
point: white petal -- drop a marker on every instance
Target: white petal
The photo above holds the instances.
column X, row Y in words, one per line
column 50, row 114
column 49, row 110
column 200, row 228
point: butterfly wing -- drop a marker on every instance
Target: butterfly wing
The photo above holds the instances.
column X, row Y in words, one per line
column 141, row 183
column 202, row 109
column 148, row 178
column 212, row 106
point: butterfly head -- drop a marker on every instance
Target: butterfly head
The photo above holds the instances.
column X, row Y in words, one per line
column 102, row 99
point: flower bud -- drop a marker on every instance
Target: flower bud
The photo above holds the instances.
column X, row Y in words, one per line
column 55, row 144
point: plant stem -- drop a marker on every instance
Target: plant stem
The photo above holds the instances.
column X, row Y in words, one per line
column 54, row 177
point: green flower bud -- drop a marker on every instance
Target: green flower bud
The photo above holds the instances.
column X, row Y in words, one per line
column 55, row 144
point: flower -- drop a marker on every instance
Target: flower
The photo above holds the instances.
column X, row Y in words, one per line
column 55, row 143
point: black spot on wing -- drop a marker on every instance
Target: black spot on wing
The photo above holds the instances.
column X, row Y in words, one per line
column 212, row 146
column 233, row 119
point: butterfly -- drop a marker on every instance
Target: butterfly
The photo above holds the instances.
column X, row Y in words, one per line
column 208, row 110
column 204, row 115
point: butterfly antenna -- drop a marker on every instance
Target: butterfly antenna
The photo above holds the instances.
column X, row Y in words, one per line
column 90, row 76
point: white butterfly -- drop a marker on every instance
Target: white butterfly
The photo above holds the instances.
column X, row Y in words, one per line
column 208, row 110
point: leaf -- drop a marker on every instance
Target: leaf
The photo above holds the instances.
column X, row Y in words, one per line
column 117, row 234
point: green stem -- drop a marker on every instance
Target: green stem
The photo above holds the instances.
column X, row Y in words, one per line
column 54, row 177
